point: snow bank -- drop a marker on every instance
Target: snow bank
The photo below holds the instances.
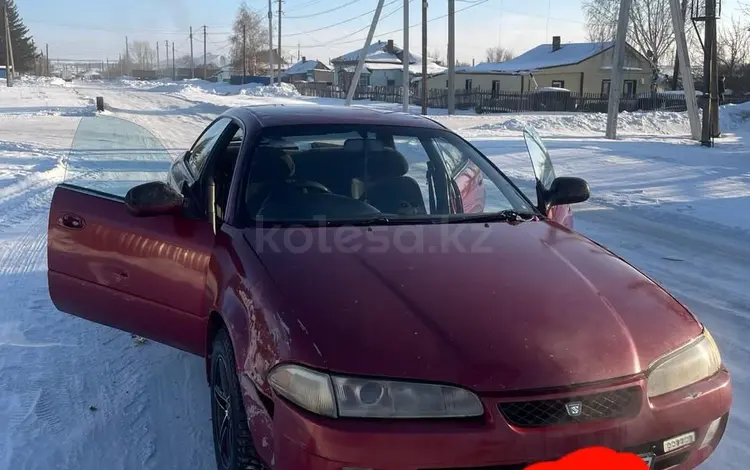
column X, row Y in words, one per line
column 572, row 124
column 735, row 116
column 32, row 81
column 195, row 88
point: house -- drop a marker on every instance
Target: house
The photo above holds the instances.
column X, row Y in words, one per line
column 308, row 71
column 383, row 66
column 3, row 73
column 258, row 63
column 578, row 67
column 224, row 74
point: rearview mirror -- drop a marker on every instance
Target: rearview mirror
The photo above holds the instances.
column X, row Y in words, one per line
column 153, row 198
column 567, row 190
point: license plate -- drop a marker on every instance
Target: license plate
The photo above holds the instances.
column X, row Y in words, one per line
column 679, row 442
column 648, row 458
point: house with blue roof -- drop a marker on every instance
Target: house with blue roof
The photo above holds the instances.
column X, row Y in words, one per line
column 578, row 67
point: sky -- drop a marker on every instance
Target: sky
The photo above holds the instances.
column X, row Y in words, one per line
column 321, row 29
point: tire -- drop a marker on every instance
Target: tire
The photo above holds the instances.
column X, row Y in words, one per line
column 233, row 442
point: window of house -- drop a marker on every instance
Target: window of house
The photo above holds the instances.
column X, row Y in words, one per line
column 468, row 84
column 605, row 87
column 558, row 83
column 391, row 83
column 364, row 80
column 629, row 87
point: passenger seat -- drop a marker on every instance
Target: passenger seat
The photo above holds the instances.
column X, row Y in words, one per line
column 385, row 184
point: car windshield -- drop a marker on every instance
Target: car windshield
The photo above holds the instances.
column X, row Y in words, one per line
column 335, row 174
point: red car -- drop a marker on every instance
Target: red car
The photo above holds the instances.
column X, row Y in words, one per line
column 371, row 292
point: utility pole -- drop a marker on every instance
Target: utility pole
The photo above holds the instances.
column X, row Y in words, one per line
column 127, row 57
column 270, row 41
column 363, row 54
column 166, row 51
column 205, row 69
column 9, row 70
column 710, row 82
column 715, row 129
column 174, row 69
column 192, row 61
column 122, row 70
column 244, row 53
column 406, row 59
column 46, row 59
column 298, row 51
column 157, row 59
column 676, row 71
column 108, row 73
column 618, row 62
column 683, row 60
column 424, row 56
column 451, row 57
column 279, row 45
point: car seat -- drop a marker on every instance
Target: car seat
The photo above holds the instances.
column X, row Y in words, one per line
column 271, row 168
column 385, row 184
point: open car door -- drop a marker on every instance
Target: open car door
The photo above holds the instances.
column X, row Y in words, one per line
column 544, row 172
column 144, row 275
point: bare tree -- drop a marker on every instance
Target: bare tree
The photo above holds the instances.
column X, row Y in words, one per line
column 650, row 29
column 734, row 46
column 250, row 25
column 499, row 54
column 434, row 55
column 143, row 56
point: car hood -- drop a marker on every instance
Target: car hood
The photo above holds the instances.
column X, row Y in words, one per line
column 491, row 307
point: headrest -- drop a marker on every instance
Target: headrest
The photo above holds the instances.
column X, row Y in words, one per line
column 386, row 163
column 358, row 145
column 271, row 165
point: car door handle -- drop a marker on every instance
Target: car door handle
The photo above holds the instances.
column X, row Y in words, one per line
column 71, row 221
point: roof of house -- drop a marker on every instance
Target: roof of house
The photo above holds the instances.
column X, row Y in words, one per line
column 378, row 53
column 542, row 57
column 303, row 66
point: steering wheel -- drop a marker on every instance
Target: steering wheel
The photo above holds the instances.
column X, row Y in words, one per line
column 310, row 186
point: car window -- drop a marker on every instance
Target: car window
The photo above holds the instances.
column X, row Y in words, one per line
column 338, row 174
column 203, row 146
column 452, row 157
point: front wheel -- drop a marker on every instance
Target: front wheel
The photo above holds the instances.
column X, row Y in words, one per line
column 233, row 443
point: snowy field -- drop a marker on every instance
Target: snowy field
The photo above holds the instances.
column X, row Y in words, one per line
column 75, row 395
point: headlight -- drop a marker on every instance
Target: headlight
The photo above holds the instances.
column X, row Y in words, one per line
column 369, row 398
column 692, row 363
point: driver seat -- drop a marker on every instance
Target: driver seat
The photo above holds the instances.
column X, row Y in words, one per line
column 271, row 169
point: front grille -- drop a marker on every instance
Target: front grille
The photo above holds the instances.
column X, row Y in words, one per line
column 598, row 406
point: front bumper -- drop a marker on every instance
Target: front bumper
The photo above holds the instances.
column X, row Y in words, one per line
column 307, row 442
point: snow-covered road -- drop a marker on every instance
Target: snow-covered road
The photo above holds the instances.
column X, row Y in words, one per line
column 74, row 395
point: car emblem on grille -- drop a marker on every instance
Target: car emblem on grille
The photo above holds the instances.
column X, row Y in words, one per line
column 574, row 408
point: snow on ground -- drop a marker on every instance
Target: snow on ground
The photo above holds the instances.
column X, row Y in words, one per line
column 75, row 395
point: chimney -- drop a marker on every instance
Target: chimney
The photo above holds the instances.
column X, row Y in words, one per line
column 555, row 43
column 304, row 59
column 389, row 46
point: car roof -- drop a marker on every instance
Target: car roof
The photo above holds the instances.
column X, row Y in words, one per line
column 301, row 114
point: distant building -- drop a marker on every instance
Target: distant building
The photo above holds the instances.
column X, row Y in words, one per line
column 308, row 71
column 578, row 67
column 383, row 66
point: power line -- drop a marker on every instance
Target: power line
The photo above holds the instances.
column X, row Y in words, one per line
column 312, row 15
column 333, row 41
column 340, row 22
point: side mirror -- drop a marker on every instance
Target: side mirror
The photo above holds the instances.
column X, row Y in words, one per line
column 567, row 190
column 153, row 198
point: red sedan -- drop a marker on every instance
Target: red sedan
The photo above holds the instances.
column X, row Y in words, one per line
column 371, row 292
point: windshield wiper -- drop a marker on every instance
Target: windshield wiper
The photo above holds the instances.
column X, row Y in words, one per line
column 507, row 215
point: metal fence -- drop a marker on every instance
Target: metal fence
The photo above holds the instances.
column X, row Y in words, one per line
column 484, row 101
